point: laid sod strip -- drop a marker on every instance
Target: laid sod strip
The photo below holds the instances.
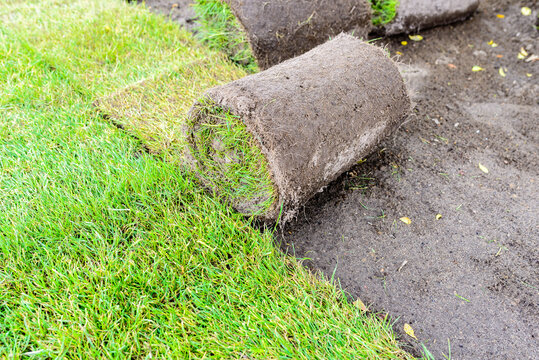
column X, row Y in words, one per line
column 109, row 252
column 220, row 30
column 383, row 11
column 279, row 29
column 154, row 110
column 311, row 118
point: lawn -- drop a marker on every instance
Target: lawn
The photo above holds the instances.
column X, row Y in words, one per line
column 108, row 251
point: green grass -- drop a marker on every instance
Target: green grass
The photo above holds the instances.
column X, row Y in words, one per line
column 383, row 11
column 229, row 159
column 109, row 252
column 220, row 30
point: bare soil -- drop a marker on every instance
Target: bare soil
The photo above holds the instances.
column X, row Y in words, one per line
column 179, row 11
column 471, row 278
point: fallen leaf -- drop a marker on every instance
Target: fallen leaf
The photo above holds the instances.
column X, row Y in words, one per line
column 415, row 37
column 522, row 54
column 501, row 72
column 528, row 75
column 399, row 53
column 404, row 43
column 526, row 11
column 438, row 217
column 452, row 66
column 500, row 16
column 499, row 56
column 477, row 68
column 409, row 331
column 360, row 305
column 492, row 43
column 532, row 58
column 483, row 168
column 406, row 220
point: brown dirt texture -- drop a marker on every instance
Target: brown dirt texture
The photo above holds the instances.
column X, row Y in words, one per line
column 179, row 11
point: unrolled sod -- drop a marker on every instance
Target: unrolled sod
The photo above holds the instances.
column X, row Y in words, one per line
column 268, row 142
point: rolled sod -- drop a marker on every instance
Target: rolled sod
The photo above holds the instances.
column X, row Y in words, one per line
column 270, row 141
column 278, row 30
column 416, row 15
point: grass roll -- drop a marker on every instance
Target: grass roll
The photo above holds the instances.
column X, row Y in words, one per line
column 277, row 30
column 295, row 127
column 417, row 15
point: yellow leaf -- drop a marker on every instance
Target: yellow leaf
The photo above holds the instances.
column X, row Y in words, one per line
column 522, row 54
column 360, row 305
column 406, row 220
column 492, row 43
column 483, row 168
column 404, row 43
column 399, row 53
column 438, row 217
column 526, row 11
column 500, row 16
column 477, row 68
column 502, row 72
column 415, row 37
column 528, row 75
column 409, row 331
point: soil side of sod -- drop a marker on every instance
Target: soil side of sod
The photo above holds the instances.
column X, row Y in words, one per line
column 293, row 27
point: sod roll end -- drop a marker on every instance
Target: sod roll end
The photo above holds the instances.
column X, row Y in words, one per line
column 269, row 142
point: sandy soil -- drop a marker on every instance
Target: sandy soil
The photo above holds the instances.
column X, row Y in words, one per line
column 470, row 278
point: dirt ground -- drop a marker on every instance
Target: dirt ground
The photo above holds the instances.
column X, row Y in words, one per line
column 470, row 278
column 468, row 281
column 178, row 11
